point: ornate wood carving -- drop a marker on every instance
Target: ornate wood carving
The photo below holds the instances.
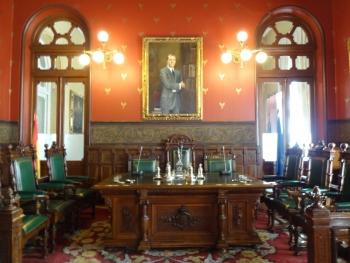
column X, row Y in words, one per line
column 237, row 215
column 181, row 219
column 222, row 201
column 127, row 219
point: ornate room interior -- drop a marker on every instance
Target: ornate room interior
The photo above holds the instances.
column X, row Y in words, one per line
column 91, row 91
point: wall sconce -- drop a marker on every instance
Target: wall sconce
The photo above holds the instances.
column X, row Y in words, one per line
column 102, row 55
column 243, row 54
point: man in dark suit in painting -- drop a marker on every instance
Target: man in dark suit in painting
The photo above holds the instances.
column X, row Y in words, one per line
column 171, row 84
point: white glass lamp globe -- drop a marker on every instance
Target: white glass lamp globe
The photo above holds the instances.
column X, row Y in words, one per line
column 226, row 57
column 118, row 58
column 242, row 36
column 246, row 54
column 261, row 57
column 98, row 56
column 84, row 59
column 102, row 36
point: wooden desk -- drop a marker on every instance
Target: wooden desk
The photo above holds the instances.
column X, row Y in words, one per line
column 153, row 214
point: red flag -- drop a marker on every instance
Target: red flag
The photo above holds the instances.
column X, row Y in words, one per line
column 35, row 142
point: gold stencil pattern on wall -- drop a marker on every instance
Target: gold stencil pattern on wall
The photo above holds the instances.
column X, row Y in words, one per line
column 221, row 19
column 238, row 90
column 139, row 90
column 172, row 5
column 123, row 104
column 205, row 61
column 140, row 5
column 346, row 100
column 205, row 5
column 124, row 47
column 124, row 75
column 221, row 76
column 107, row 90
column 205, row 90
column 222, row 105
column 188, row 19
column 205, row 33
column 156, row 19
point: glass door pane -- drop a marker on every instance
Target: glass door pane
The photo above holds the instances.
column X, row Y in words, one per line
column 74, row 115
column 271, row 119
column 46, row 110
column 299, row 122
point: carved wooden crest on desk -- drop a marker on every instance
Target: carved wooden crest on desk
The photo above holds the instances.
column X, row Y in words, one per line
column 181, row 219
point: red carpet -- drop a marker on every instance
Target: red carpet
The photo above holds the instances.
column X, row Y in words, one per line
column 86, row 246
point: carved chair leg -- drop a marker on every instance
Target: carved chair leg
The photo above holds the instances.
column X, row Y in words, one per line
column 45, row 242
column 291, row 235
column 271, row 220
column 53, row 237
column 296, row 240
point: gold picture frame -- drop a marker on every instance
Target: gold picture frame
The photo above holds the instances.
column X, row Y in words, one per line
column 189, row 56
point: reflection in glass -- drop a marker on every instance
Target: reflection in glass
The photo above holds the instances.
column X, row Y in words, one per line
column 46, row 98
column 75, row 64
column 284, row 26
column 44, row 62
column 61, row 62
column 46, row 36
column 62, row 27
column 299, row 113
column 285, row 62
column 269, row 36
column 74, row 98
column 77, row 36
column 300, row 36
column 61, row 41
column 302, row 62
column 269, row 64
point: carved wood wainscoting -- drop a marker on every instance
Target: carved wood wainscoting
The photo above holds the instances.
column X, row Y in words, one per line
column 105, row 160
column 150, row 214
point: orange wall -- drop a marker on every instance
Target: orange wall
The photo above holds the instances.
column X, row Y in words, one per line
column 127, row 21
column 5, row 55
column 340, row 93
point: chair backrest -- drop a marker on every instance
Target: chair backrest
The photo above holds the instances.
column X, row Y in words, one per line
column 23, row 172
column 345, row 174
column 319, row 164
column 56, row 162
column 176, row 142
column 216, row 163
column 293, row 162
column 146, row 165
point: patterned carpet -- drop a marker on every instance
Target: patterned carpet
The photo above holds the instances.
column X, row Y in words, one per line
column 85, row 246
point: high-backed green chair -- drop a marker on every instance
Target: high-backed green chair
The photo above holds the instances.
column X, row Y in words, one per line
column 144, row 164
column 57, row 167
column 25, row 184
column 183, row 143
column 217, row 164
column 34, row 223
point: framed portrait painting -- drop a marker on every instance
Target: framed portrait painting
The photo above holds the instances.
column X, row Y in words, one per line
column 172, row 78
column 76, row 109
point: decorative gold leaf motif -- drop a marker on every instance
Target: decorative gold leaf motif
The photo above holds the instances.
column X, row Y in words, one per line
column 124, row 75
column 139, row 90
column 221, row 46
column 221, row 76
column 222, row 105
column 221, row 19
column 205, row 5
column 124, row 47
column 140, row 5
column 124, row 20
column 189, row 19
column 205, row 33
column 109, row 7
column 205, row 61
column 173, row 33
column 139, row 61
column 123, row 104
column 156, row 19
column 238, row 90
column 172, row 5
column 141, row 34
column 205, row 91
column 108, row 90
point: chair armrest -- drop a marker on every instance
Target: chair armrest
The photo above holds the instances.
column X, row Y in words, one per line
column 81, row 178
column 66, row 181
column 50, row 186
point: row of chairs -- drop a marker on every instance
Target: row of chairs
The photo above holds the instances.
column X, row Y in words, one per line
column 324, row 167
column 149, row 162
column 46, row 205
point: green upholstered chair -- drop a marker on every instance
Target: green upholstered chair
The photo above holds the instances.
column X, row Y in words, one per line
column 57, row 167
column 23, row 173
column 144, row 164
column 172, row 146
column 34, row 224
column 216, row 163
